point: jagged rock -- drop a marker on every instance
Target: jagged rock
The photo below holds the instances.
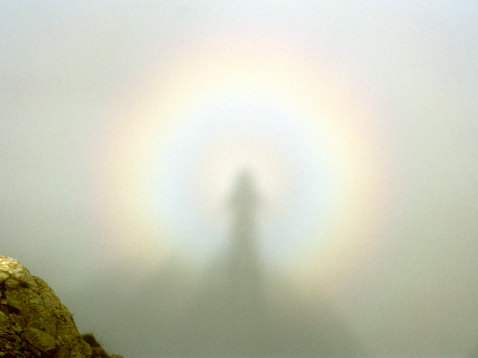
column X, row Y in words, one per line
column 33, row 321
column 98, row 351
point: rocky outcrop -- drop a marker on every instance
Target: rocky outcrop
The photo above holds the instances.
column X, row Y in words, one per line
column 33, row 321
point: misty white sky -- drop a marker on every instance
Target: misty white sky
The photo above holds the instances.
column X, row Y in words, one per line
column 70, row 70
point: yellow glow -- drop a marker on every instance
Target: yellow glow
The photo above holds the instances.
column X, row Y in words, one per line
column 278, row 77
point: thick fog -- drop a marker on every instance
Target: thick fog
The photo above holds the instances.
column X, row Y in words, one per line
column 253, row 178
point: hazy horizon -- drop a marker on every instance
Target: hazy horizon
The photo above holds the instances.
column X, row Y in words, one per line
column 124, row 126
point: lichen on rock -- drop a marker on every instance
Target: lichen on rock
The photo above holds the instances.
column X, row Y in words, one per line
column 33, row 321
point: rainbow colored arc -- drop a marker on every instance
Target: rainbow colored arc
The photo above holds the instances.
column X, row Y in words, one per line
column 174, row 148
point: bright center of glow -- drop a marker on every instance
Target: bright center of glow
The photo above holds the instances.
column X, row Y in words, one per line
column 213, row 141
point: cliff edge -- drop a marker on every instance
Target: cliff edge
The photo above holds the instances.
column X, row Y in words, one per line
column 33, row 321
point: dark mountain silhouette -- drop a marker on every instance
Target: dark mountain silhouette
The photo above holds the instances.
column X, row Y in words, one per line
column 233, row 309
column 238, row 313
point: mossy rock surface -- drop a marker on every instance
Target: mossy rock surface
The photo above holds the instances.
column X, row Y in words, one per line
column 33, row 321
